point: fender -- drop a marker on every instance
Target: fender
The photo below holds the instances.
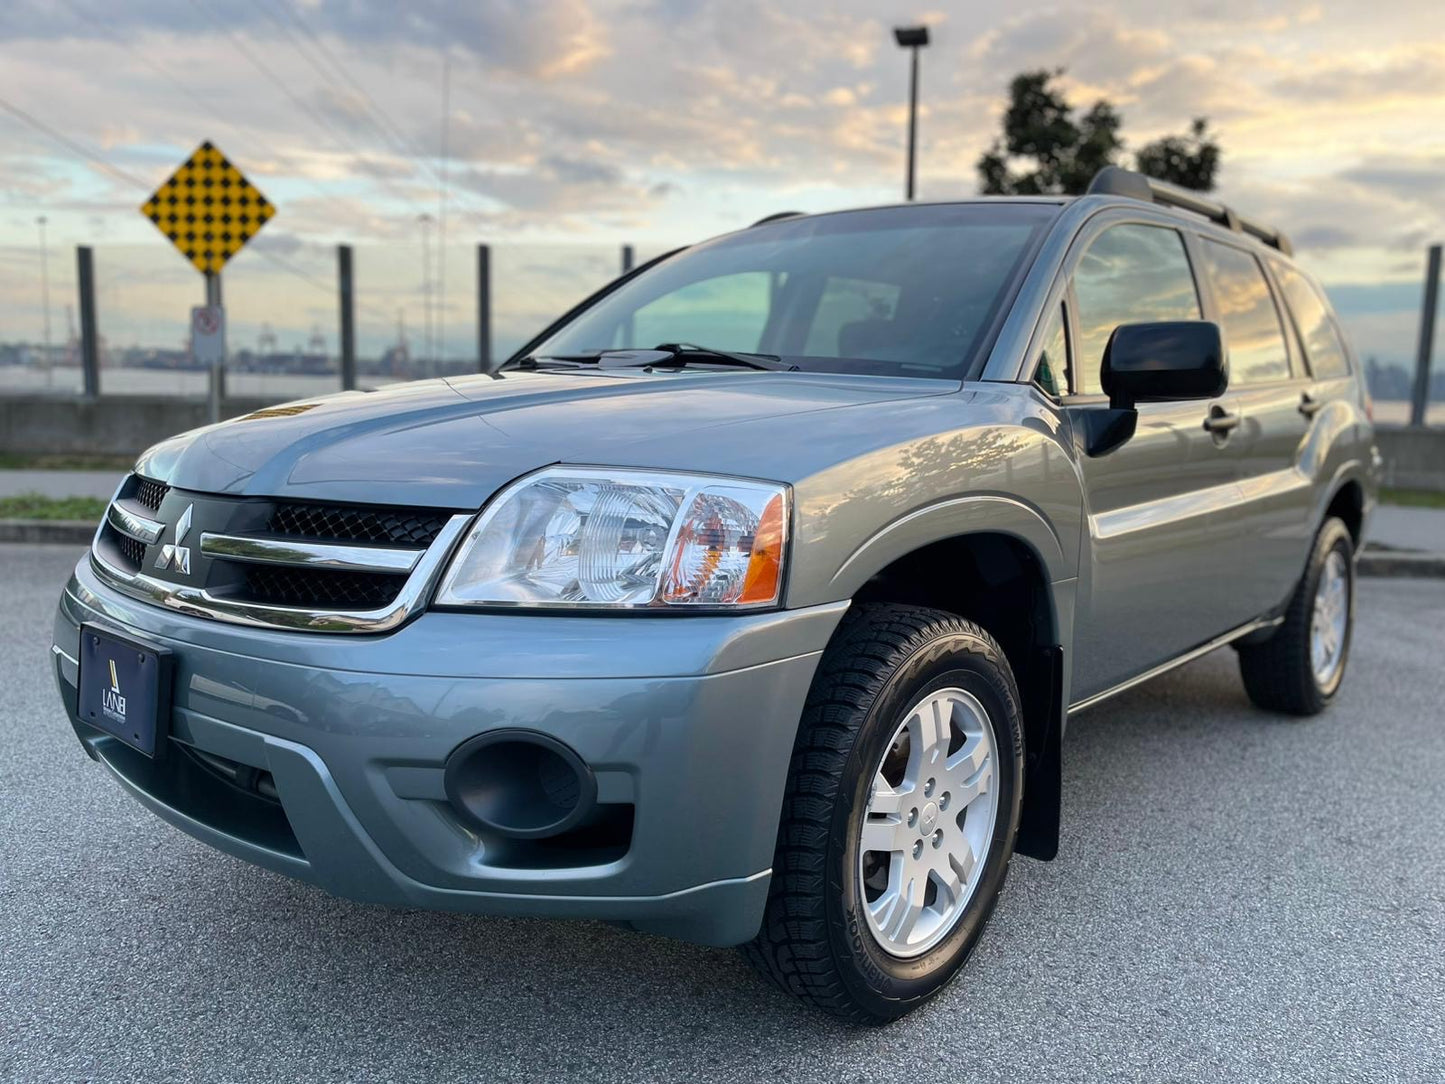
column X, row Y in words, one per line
column 1042, row 680
column 974, row 514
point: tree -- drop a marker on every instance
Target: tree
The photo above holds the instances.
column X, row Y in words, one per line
column 1062, row 154
column 1190, row 161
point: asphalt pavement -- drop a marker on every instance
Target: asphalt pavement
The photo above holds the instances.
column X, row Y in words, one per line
column 1238, row 898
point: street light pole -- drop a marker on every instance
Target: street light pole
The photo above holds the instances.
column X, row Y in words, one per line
column 45, row 300
column 911, row 38
column 425, row 221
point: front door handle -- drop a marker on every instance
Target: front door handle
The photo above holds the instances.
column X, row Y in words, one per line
column 1221, row 422
column 1309, row 406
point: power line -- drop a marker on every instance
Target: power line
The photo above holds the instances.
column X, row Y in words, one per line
column 131, row 179
column 96, row 20
column 239, row 44
column 70, row 144
column 380, row 119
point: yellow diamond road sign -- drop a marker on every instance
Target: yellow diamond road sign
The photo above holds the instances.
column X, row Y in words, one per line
column 208, row 209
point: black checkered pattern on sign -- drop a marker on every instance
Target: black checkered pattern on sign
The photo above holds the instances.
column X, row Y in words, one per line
column 207, row 209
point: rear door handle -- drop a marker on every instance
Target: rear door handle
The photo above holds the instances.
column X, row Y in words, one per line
column 1309, row 406
column 1221, row 421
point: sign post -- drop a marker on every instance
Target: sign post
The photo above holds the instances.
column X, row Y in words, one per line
column 208, row 210
column 208, row 348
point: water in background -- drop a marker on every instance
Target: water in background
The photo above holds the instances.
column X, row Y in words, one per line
column 411, row 321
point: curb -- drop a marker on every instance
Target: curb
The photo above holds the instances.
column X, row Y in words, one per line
column 75, row 532
column 1379, row 562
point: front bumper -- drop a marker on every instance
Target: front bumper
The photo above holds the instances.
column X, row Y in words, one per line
column 690, row 721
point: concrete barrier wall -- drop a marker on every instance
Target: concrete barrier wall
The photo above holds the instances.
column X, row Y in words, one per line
column 120, row 425
column 127, row 425
column 1414, row 458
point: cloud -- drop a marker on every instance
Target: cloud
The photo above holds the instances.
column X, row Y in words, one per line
column 1416, row 180
column 545, row 38
column 670, row 118
column 1413, row 71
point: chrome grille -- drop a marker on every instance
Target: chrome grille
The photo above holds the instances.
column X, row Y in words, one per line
column 132, row 549
column 311, row 588
column 149, row 493
column 328, row 522
column 257, row 561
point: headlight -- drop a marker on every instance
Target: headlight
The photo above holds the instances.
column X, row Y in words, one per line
column 586, row 536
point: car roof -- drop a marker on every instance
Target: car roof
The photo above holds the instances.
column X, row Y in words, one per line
column 1113, row 186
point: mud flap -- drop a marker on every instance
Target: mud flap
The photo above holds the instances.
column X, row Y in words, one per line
column 1043, row 694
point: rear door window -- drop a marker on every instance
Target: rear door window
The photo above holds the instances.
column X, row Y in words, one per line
column 1323, row 348
column 1247, row 316
column 1131, row 274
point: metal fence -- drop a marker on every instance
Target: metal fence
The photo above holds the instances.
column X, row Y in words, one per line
column 413, row 315
column 286, row 327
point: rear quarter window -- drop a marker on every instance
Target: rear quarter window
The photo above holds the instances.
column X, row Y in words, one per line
column 1323, row 347
column 1251, row 325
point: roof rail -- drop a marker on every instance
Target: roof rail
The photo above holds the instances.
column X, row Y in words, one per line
column 776, row 217
column 1113, row 181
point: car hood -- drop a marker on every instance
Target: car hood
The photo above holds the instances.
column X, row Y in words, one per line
column 453, row 443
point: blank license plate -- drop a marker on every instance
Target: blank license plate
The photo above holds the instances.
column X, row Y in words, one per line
column 124, row 688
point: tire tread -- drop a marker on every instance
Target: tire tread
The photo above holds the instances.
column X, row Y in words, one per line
column 793, row 948
column 1276, row 673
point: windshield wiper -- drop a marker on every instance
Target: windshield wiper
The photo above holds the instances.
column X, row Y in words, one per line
column 571, row 361
column 681, row 352
column 664, row 354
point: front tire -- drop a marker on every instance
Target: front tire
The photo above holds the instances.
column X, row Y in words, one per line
column 1298, row 670
column 899, row 816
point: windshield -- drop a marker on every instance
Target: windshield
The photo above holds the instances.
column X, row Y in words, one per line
column 905, row 291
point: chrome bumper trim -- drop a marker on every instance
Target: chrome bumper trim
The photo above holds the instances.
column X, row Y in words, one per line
column 133, row 526
column 281, row 551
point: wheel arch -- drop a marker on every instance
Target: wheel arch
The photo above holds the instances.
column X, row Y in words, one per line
column 1000, row 580
column 1347, row 501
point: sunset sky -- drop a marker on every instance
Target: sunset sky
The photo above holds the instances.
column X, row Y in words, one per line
column 663, row 121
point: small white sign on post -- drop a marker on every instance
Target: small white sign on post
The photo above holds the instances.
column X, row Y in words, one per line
column 208, row 335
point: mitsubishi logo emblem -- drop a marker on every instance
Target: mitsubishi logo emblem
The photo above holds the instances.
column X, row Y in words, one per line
column 177, row 556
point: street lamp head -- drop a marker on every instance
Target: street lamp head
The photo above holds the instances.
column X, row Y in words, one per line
column 910, row 36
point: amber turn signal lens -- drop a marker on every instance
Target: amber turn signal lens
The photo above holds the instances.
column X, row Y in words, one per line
column 765, row 566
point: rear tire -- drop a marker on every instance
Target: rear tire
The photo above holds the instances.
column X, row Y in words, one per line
column 1298, row 670
column 869, row 933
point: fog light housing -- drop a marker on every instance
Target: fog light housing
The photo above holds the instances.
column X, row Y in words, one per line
column 520, row 784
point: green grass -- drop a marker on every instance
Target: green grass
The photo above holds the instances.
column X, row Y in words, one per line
column 39, row 506
column 19, row 461
column 1413, row 498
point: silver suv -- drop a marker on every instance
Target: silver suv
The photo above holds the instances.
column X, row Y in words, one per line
column 749, row 602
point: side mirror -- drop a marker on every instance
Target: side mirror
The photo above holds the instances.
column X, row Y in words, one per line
column 1179, row 359
column 1150, row 363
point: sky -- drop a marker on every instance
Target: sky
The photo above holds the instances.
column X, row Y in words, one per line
column 574, row 126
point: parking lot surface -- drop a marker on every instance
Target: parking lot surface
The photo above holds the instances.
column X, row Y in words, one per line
column 1238, row 897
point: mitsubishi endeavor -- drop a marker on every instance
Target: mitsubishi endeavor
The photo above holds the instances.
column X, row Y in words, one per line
column 748, row 603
